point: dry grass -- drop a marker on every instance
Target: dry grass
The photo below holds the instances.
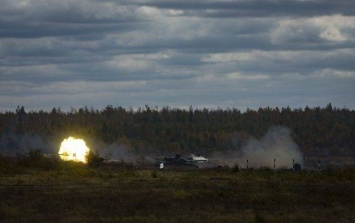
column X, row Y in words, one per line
column 74, row 192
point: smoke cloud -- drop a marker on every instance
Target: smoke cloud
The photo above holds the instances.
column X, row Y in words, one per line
column 119, row 152
column 275, row 144
column 116, row 152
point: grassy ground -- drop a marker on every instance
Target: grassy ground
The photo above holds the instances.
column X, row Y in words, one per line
column 76, row 193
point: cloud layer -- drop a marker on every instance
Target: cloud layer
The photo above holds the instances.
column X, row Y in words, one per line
column 72, row 53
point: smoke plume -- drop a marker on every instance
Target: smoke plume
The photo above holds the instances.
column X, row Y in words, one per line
column 119, row 152
column 275, row 144
column 116, row 152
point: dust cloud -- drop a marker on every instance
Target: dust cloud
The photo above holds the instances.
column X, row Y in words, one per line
column 276, row 144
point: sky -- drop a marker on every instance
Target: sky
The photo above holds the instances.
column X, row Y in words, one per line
column 177, row 53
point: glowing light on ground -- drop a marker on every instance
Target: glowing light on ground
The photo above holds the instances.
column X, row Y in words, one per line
column 72, row 149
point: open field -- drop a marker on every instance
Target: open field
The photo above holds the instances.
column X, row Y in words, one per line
column 77, row 193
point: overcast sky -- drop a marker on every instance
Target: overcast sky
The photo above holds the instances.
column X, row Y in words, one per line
column 211, row 53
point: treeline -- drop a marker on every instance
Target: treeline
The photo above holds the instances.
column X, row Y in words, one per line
column 174, row 130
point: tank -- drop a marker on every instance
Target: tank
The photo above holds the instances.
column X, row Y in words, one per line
column 191, row 160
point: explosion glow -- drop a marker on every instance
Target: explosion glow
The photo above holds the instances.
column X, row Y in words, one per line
column 72, row 149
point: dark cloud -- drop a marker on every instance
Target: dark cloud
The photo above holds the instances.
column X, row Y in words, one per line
column 31, row 19
column 258, row 8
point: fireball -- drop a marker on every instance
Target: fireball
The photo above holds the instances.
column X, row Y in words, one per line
column 72, row 149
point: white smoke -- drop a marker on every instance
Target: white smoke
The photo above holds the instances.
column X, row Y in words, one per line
column 116, row 152
column 119, row 153
column 276, row 144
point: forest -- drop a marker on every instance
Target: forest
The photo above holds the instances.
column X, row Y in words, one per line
column 151, row 130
